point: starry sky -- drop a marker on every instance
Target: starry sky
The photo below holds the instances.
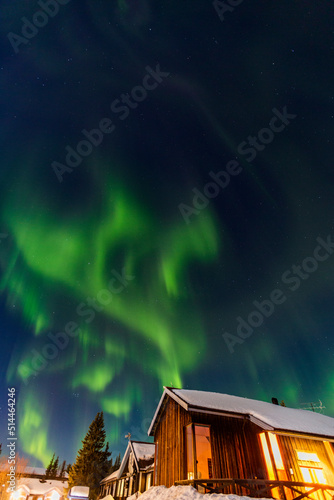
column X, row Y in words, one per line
column 166, row 209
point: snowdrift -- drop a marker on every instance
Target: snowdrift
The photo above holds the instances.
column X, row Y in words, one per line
column 183, row 493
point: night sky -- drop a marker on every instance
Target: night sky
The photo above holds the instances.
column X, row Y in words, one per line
column 166, row 209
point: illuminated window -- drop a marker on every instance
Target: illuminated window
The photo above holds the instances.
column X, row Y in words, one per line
column 267, row 458
column 203, row 452
column 313, row 475
column 54, row 495
column 198, row 448
column 190, row 452
column 18, row 494
column 308, row 457
column 312, row 472
column 274, row 462
column 276, row 451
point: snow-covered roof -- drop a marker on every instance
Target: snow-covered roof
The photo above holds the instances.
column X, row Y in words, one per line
column 266, row 415
column 114, row 475
column 35, row 487
column 143, row 451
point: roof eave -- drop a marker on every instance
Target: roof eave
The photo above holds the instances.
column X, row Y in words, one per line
column 167, row 391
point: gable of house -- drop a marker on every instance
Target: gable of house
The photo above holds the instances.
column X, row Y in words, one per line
column 135, row 472
column 35, row 488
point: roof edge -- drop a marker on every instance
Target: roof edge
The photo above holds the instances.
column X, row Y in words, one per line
column 168, row 391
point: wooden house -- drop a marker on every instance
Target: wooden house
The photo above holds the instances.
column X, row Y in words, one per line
column 32, row 484
column 135, row 473
column 203, row 435
column 36, row 488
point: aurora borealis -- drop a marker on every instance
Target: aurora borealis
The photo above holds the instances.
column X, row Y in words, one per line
column 110, row 290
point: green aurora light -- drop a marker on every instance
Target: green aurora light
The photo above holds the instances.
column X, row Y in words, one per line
column 50, row 252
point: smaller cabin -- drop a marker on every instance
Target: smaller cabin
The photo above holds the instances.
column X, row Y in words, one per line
column 33, row 484
column 135, row 473
column 32, row 488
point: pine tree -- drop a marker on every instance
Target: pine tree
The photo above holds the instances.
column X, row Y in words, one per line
column 54, row 471
column 92, row 463
column 117, row 463
column 63, row 469
column 49, row 469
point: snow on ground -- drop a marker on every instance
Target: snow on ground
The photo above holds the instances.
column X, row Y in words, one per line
column 183, row 493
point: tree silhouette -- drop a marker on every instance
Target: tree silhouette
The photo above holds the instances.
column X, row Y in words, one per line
column 93, row 462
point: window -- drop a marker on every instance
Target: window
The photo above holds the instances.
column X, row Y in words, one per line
column 312, row 471
column 266, row 453
column 309, row 457
column 274, row 462
column 198, row 452
column 148, row 481
column 190, row 452
column 276, row 456
column 19, row 494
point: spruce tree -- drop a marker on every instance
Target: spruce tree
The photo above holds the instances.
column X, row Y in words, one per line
column 117, row 463
column 92, row 463
column 49, row 469
column 54, row 471
column 63, row 469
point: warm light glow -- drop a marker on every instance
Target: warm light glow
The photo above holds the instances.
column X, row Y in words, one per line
column 203, row 452
column 266, row 453
column 54, row 495
column 312, row 475
column 190, row 454
column 330, row 451
column 281, row 474
column 16, row 495
column 276, row 451
column 308, row 457
column 203, row 459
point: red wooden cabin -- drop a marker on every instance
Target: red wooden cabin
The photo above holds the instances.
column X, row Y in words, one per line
column 203, row 435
